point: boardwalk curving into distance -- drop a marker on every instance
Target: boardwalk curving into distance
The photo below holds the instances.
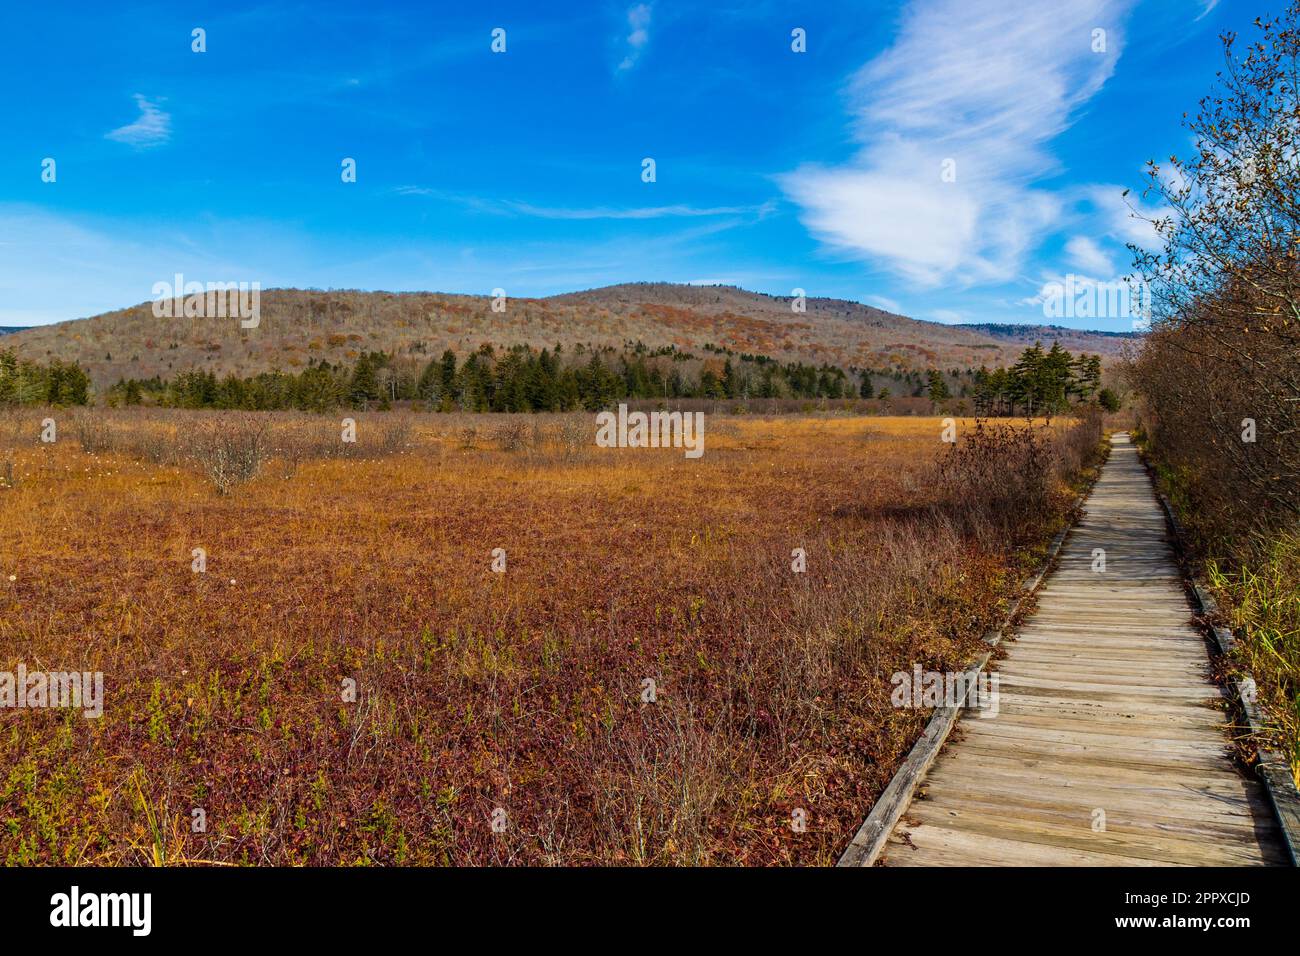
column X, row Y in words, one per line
column 1110, row 746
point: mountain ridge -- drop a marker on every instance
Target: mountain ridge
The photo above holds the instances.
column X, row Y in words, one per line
column 301, row 326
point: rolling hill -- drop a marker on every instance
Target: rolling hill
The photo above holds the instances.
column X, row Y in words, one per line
column 1106, row 344
column 297, row 326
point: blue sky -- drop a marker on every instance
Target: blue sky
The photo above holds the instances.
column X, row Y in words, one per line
column 523, row 170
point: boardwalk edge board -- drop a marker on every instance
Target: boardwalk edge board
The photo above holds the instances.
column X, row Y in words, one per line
column 869, row 841
column 1271, row 767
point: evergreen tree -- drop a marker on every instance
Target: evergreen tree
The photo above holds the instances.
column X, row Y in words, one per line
column 1055, row 379
column 447, row 380
column 1086, row 371
column 938, row 387
column 364, row 387
column 1025, row 385
column 730, row 388
column 428, row 387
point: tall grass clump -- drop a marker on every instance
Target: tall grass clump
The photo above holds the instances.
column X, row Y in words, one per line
column 230, row 449
column 1264, row 601
column 996, row 480
column 93, row 432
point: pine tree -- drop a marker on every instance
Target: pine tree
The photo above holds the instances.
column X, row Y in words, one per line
column 8, row 377
column 1086, row 372
column 1055, row 379
column 447, row 383
column 710, row 384
column 1025, row 384
column 364, row 387
column 430, row 380
column 729, row 385
column 938, row 387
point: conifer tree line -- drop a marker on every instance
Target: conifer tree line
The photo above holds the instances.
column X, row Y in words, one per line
column 525, row 379
column 31, row 383
column 515, row 379
column 1041, row 382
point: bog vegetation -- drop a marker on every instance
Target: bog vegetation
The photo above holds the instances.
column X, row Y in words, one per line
column 647, row 680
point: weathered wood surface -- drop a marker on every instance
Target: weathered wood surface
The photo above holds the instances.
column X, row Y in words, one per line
column 1110, row 746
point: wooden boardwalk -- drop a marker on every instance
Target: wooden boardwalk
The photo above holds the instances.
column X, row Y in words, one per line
column 1110, row 745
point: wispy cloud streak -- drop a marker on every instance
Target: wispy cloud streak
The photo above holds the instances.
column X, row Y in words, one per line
column 976, row 89
column 152, row 128
column 638, row 20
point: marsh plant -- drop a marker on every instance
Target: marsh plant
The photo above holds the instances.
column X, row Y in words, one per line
column 231, row 449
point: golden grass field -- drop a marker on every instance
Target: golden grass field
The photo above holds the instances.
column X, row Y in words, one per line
column 518, row 694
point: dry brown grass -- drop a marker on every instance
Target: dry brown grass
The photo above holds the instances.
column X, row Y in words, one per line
column 476, row 690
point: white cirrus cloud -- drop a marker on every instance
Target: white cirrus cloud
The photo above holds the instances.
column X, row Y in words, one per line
column 636, row 212
column 977, row 89
column 1125, row 216
column 506, row 207
column 638, row 21
column 151, row 128
column 1087, row 254
column 885, row 303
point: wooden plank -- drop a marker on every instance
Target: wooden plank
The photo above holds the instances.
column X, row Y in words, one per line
column 1164, row 848
column 1113, row 676
column 1091, row 636
column 1092, row 757
column 1130, row 727
column 1056, row 662
column 1161, row 807
column 1149, row 692
column 1058, row 708
column 1099, row 656
column 1096, row 741
column 951, row 847
column 1037, row 699
column 1054, row 767
column 1133, row 759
